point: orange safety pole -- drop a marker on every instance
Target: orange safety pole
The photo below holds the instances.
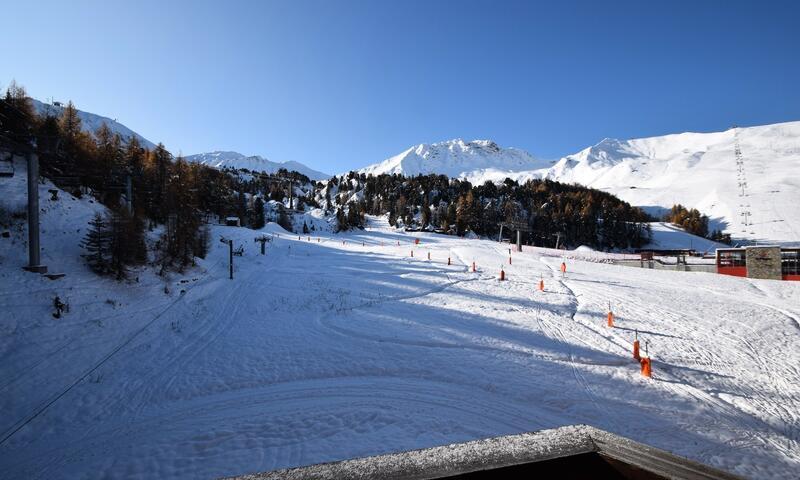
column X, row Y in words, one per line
column 502, row 274
column 541, row 285
column 647, row 369
column 636, row 347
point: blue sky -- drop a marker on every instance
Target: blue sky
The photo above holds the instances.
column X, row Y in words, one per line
column 338, row 85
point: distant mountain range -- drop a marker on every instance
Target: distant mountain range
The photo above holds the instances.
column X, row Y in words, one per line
column 253, row 163
column 698, row 170
column 457, row 158
column 753, row 196
column 91, row 122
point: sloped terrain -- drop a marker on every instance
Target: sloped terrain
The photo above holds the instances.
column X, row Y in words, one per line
column 337, row 346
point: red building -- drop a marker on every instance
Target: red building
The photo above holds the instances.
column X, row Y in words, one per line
column 753, row 262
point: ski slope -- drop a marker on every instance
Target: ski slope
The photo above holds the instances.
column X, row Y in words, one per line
column 698, row 170
column 346, row 346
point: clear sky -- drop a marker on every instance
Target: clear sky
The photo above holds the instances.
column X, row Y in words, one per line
column 338, row 85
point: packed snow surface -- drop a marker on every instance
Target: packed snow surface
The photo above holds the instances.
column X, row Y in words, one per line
column 253, row 163
column 698, row 170
column 344, row 345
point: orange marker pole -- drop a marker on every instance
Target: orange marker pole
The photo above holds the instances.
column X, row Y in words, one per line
column 541, row 285
column 647, row 369
column 502, row 274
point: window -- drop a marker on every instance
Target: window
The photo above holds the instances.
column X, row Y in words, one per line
column 790, row 262
column 731, row 258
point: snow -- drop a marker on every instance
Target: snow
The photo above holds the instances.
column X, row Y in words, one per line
column 458, row 159
column 332, row 348
column 697, row 170
column 255, row 163
column 667, row 236
column 91, row 122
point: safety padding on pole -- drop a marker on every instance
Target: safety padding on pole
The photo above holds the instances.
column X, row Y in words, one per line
column 541, row 285
column 502, row 274
column 416, row 241
column 473, row 267
column 636, row 350
column 611, row 319
column 647, row 369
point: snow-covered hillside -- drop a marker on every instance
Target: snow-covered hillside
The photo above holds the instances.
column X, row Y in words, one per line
column 338, row 346
column 253, row 163
column 456, row 158
column 91, row 122
column 698, row 170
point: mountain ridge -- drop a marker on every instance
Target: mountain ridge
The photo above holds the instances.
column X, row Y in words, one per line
column 256, row 163
column 698, row 170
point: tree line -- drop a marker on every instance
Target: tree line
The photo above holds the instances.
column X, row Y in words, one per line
column 554, row 212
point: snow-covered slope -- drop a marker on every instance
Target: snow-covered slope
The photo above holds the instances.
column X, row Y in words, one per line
column 254, row 163
column 92, row 122
column 342, row 346
column 456, row 158
column 698, row 170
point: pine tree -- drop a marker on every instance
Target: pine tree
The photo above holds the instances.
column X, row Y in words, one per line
column 97, row 244
column 257, row 216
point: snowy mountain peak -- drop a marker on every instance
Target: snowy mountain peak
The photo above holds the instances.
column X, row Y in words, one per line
column 254, row 163
column 456, row 158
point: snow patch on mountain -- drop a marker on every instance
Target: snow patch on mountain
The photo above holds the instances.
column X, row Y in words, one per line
column 91, row 122
column 255, row 163
column 457, row 158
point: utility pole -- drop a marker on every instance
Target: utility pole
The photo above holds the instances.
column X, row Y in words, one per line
column 34, row 262
column 230, row 255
